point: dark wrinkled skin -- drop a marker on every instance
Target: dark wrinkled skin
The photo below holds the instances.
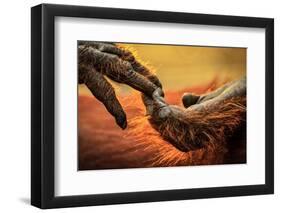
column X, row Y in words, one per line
column 163, row 115
column 99, row 59
column 194, row 102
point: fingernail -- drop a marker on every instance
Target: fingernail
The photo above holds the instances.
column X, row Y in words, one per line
column 189, row 99
column 122, row 122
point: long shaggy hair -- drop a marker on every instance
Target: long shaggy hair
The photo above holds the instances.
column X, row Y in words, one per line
column 221, row 134
column 206, row 134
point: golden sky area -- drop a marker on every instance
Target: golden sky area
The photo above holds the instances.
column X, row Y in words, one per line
column 179, row 67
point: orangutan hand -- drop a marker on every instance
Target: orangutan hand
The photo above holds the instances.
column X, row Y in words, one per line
column 193, row 102
column 97, row 60
column 205, row 120
column 227, row 91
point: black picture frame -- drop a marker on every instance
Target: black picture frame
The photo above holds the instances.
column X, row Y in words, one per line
column 43, row 117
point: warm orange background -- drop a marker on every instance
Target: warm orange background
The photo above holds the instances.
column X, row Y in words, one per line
column 186, row 66
column 103, row 145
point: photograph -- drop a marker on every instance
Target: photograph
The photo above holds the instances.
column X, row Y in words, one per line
column 143, row 105
column 133, row 105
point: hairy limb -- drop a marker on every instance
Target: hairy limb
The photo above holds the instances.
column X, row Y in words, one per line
column 97, row 59
column 203, row 124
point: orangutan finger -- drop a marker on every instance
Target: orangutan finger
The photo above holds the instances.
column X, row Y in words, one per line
column 228, row 91
column 212, row 94
column 139, row 68
column 124, row 54
column 88, row 55
column 128, row 56
column 105, row 93
column 189, row 99
column 115, row 68
column 133, row 79
column 105, row 47
column 156, row 106
column 112, row 49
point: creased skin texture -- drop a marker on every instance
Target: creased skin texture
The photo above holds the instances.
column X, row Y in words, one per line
column 200, row 126
column 103, row 146
column 114, row 67
column 190, row 129
column 96, row 60
column 209, row 122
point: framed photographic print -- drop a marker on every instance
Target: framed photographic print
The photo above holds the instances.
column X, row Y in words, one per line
column 139, row 106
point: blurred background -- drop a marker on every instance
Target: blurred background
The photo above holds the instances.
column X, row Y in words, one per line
column 104, row 145
column 179, row 67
